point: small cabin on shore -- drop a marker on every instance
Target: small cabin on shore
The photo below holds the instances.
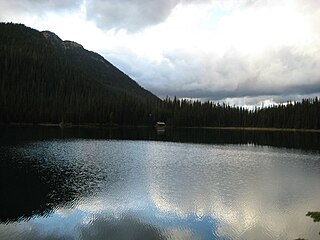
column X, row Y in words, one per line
column 160, row 127
column 160, row 124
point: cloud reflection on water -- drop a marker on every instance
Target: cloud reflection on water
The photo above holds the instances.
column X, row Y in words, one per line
column 265, row 204
column 175, row 191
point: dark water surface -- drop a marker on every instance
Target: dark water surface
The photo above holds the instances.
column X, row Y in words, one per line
column 139, row 184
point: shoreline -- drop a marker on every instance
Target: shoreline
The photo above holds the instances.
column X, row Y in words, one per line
column 108, row 125
column 261, row 129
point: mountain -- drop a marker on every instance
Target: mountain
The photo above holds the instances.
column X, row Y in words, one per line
column 45, row 79
column 95, row 66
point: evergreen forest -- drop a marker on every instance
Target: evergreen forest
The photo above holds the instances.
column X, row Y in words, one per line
column 46, row 80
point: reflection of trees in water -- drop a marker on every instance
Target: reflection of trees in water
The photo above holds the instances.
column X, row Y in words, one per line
column 30, row 187
column 287, row 139
column 302, row 140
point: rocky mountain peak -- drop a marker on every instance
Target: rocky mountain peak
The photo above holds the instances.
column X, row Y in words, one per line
column 52, row 37
column 71, row 44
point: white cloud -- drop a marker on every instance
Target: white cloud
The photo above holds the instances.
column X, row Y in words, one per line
column 244, row 53
column 246, row 209
column 194, row 49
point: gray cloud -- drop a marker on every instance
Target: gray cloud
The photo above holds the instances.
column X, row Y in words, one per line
column 284, row 72
column 125, row 228
column 38, row 5
column 128, row 14
column 132, row 15
column 103, row 227
column 14, row 8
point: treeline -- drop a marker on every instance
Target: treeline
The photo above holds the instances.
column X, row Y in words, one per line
column 42, row 81
column 304, row 114
column 32, row 93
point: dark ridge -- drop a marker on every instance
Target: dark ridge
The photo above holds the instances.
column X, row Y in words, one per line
column 46, row 79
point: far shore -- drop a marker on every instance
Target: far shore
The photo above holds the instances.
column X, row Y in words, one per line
column 262, row 129
column 111, row 125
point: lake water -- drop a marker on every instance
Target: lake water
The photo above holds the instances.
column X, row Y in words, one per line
column 140, row 184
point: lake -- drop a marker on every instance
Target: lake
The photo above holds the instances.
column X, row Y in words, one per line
column 136, row 183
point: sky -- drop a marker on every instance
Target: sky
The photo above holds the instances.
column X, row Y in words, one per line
column 243, row 52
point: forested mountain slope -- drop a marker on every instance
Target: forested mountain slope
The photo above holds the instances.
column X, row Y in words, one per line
column 45, row 79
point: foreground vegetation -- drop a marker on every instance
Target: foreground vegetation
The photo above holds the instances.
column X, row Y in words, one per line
column 316, row 218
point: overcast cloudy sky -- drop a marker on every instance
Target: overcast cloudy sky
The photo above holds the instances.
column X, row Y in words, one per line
column 243, row 52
